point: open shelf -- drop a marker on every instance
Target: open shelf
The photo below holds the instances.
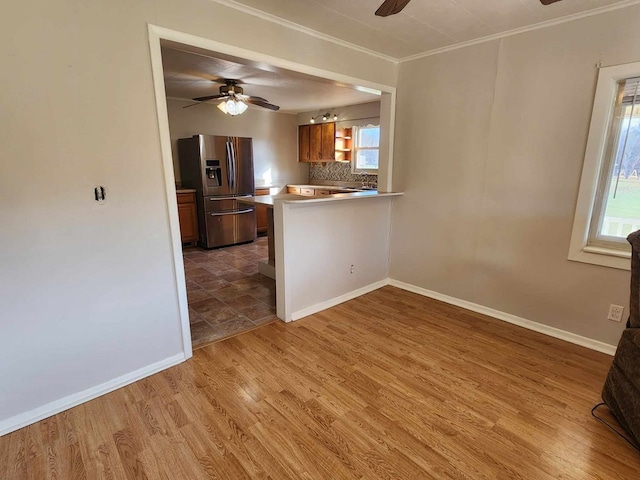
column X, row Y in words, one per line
column 343, row 144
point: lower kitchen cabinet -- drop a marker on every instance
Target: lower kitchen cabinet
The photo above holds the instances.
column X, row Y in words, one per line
column 188, row 217
column 261, row 212
column 317, row 192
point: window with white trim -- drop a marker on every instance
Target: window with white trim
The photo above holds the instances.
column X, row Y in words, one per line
column 367, row 149
column 609, row 201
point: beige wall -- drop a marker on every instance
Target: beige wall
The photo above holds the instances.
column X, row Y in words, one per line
column 89, row 292
column 490, row 142
column 275, row 138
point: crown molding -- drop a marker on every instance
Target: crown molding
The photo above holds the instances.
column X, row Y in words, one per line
column 518, row 31
column 306, row 30
column 396, row 61
column 314, row 33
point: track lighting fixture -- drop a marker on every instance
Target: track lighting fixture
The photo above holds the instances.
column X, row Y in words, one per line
column 325, row 117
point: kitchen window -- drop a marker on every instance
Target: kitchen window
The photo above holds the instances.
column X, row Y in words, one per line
column 367, row 149
column 609, row 200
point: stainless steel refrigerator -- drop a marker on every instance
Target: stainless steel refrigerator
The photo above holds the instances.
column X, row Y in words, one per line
column 221, row 171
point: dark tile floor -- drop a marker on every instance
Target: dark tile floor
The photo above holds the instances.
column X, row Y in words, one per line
column 226, row 293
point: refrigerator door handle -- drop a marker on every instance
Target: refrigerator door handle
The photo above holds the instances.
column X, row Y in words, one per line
column 229, row 166
column 233, row 162
column 233, row 212
column 215, row 199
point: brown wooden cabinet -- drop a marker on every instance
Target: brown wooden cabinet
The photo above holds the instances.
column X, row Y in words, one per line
column 328, row 145
column 188, row 217
column 262, row 223
column 319, row 191
column 304, row 148
column 316, row 142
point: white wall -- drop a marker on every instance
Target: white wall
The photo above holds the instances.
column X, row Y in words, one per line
column 275, row 138
column 491, row 140
column 89, row 292
column 319, row 241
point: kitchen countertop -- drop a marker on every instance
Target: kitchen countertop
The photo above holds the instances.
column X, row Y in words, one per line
column 270, row 200
column 185, row 190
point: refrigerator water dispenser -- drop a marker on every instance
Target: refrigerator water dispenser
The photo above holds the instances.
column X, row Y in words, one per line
column 213, row 173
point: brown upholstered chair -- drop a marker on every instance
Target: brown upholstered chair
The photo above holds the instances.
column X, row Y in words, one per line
column 621, row 392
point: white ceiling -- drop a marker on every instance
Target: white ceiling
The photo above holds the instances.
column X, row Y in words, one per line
column 424, row 25
column 189, row 74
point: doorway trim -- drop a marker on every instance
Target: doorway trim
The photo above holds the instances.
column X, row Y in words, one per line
column 156, row 35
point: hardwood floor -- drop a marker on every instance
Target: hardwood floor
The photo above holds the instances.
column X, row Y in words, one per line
column 387, row 386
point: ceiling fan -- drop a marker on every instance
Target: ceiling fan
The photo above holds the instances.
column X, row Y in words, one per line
column 234, row 100
column 391, row 7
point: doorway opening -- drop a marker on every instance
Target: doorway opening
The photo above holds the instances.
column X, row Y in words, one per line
column 203, row 298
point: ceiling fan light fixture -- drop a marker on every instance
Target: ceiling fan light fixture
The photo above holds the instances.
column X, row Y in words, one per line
column 233, row 107
column 313, row 120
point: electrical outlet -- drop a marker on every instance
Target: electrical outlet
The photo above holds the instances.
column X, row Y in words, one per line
column 352, row 269
column 615, row 313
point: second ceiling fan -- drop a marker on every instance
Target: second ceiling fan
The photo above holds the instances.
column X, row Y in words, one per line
column 391, row 7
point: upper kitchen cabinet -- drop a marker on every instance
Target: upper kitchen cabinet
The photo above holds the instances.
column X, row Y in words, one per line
column 316, row 142
column 304, row 146
column 328, row 142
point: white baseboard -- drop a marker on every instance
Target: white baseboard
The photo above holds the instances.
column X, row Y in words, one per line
column 507, row 317
column 337, row 300
column 27, row 418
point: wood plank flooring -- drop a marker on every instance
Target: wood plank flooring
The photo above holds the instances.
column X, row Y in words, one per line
column 387, row 386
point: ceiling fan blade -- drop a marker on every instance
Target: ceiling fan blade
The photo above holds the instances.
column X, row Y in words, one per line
column 263, row 104
column 251, row 97
column 193, row 104
column 391, row 7
column 548, row 2
column 210, row 97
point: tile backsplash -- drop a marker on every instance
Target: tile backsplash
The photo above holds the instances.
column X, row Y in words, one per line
column 339, row 172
